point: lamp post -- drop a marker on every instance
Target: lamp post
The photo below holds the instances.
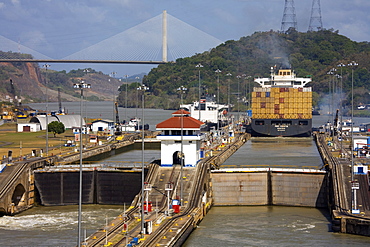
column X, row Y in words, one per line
column 331, row 105
column 46, row 66
column 182, row 90
column 238, row 97
column 199, row 65
column 249, row 92
column 354, row 201
column 218, row 96
column 85, row 107
column 126, row 76
column 142, row 89
column 341, row 65
column 82, row 85
column 137, row 95
column 228, row 92
column 113, row 74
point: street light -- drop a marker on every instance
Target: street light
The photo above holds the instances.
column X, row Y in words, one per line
column 217, row 71
column 354, row 201
column 341, row 65
column 182, row 90
column 142, row 89
column 218, row 96
column 85, row 107
column 46, row 66
column 113, row 98
column 199, row 65
column 238, row 98
column 331, row 106
column 228, row 92
column 137, row 95
column 82, row 85
column 126, row 76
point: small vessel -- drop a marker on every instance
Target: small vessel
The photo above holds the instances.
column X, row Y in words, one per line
column 282, row 105
column 133, row 125
column 208, row 111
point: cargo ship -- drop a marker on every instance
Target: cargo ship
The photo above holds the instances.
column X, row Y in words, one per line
column 282, row 105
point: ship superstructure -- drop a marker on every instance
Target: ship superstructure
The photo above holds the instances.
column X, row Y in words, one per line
column 282, row 105
column 207, row 111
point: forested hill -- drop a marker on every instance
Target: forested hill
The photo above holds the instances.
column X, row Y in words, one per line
column 309, row 54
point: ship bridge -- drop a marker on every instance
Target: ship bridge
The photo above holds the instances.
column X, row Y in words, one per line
column 283, row 78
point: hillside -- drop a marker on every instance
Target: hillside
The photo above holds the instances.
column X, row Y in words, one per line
column 29, row 82
column 309, row 54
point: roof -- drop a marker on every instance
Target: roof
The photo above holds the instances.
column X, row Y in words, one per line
column 103, row 120
column 175, row 123
column 69, row 121
column 180, row 112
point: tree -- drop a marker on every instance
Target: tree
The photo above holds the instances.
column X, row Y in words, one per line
column 56, row 127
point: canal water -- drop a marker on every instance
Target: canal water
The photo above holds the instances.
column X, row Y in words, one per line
column 223, row 226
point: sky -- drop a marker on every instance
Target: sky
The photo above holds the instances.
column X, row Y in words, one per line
column 58, row 28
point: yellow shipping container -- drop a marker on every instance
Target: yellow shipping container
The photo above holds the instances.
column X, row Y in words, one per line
column 254, row 94
column 307, row 105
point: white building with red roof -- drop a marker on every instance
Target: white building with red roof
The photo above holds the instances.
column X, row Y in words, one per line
column 171, row 139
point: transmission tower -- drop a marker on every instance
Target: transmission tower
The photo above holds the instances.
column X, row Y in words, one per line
column 315, row 20
column 289, row 17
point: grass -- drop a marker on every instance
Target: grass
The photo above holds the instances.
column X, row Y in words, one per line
column 22, row 143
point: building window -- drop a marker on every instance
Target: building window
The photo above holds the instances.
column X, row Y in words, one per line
column 176, row 132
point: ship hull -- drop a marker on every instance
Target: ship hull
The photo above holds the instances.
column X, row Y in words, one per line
column 281, row 127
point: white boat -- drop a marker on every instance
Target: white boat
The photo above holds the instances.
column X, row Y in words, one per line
column 208, row 111
column 132, row 125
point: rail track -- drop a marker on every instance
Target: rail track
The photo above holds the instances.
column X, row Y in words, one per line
column 116, row 228
column 190, row 213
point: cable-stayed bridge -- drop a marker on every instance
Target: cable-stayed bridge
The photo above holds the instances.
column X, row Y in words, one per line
column 158, row 40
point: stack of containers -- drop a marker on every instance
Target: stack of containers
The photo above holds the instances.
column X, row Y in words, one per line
column 281, row 103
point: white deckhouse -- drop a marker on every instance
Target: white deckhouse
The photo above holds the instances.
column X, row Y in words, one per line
column 171, row 139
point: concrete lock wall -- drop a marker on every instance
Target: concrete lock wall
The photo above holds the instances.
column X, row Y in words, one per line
column 269, row 188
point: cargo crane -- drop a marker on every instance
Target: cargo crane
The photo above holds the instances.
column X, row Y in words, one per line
column 60, row 102
column 118, row 129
